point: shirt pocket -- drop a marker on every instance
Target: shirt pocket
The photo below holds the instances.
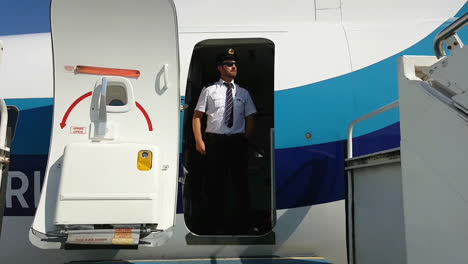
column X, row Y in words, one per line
column 239, row 105
column 218, row 101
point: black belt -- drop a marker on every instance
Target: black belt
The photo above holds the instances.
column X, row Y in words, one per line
column 223, row 135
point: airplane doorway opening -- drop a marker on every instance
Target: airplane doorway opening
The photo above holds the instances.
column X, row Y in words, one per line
column 255, row 60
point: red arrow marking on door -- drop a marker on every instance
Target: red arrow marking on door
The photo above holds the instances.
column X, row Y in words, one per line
column 148, row 120
column 77, row 101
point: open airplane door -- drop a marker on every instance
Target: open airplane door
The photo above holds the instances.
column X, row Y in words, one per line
column 8, row 121
column 4, row 156
column 4, row 173
column 111, row 178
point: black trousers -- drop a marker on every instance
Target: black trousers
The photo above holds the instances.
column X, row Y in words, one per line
column 227, row 185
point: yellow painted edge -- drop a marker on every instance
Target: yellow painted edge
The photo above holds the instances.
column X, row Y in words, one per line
column 123, row 241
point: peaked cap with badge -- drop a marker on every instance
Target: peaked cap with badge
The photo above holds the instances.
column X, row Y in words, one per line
column 226, row 54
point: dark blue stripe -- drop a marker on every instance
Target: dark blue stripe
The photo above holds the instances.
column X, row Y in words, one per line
column 27, row 165
column 382, row 139
column 305, row 176
column 310, row 175
column 315, row 174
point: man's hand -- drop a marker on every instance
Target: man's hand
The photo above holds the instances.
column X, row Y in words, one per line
column 249, row 126
column 201, row 147
column 196, row 123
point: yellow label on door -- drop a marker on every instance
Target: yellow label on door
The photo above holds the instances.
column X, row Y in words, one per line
column 145, row 160
column 123, row 241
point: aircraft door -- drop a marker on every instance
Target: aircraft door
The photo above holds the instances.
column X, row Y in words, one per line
column 111, row 178
column 8, row 121
column 4, row 158
column 256, row 73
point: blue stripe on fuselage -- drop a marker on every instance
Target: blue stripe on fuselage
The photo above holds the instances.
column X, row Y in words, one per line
column 33, row 131
column 463, row 10
column 315, row 174
column 304, row 175
column 325, row 109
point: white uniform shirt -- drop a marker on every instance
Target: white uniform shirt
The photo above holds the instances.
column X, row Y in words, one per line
column 212, row 101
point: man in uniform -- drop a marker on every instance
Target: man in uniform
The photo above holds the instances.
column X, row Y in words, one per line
column 229, row 109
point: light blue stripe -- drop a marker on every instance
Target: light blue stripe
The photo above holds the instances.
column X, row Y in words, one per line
column 30, row 103
column 326, row 108
column 463, row 11
column 32, row 135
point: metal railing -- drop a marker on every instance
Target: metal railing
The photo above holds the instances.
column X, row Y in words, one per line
column 3, row 124
column 447, row 33
column 362, row 118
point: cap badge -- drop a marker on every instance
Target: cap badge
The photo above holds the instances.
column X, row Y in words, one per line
column 231, row 51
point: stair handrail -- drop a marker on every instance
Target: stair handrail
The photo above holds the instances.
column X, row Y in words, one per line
column 3, row 124
column 448, row 32
column 365, row 117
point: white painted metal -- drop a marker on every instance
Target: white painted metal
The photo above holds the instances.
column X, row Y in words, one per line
column 295, row 231
column 1, row 51
column 96, row 176
column 103, row 237
column 26, row 55
column 448, row 73
column 95, row 190
column 392, row 30
column 362, row 118
column 376, row 216
column 101, row 122
column 433, row 151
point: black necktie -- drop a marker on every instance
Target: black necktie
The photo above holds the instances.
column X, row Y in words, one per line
column 228, row 114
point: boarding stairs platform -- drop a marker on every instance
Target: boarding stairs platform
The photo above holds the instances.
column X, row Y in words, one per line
column 409, row 204
column 251, row 260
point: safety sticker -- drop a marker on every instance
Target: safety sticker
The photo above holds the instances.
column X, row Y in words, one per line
column 124, row 236
column 77, row 130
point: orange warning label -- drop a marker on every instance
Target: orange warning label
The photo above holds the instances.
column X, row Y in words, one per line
column 123, row 233
column 123, row 230
column 77, row 130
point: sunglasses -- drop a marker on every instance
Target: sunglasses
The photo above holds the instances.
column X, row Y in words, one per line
column 229, row 64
